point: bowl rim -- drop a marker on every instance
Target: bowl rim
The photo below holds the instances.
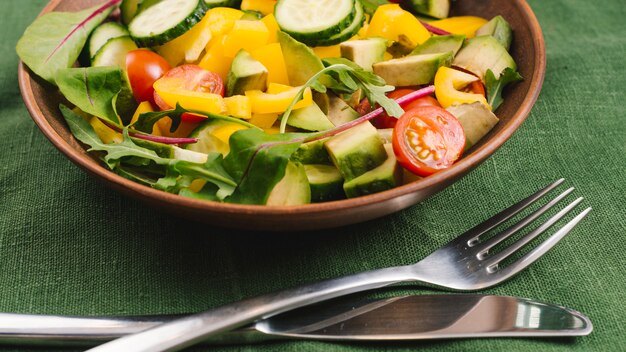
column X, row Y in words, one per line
column 457, row 170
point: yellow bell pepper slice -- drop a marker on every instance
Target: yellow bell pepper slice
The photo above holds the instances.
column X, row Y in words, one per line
column 223, row 133
column 272, row 27
column 141, row 109
column 277, row 88
column 327, row 51
column 189, row 46
column 264, row 121
column 239, row 106
column 222, row 19
column 467, row 25
column 263, row 6
column 448, row 85
column 392, row 22
column 170, row 91
column 271, row 56
column 247, row 35
column 183, row 130
column 267, row 103
column 215, row 61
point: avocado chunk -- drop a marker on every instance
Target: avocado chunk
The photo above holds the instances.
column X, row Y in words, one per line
column 356, row 151
column 364, row 52
column 386, row 176
column 412, row 70
column 300, row 60
column 432, row 8
column 476, row 120
column 498, row 28
column 339, row 112
column 293, row 189
column 483, row 53
column 246, row 74
column 440, row 44
column 310, row 118
column 312, row 153
column 326, row 182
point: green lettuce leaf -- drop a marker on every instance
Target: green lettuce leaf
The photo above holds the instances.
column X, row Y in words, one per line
column 257, row 161
column 94, row 90
column 54, row 41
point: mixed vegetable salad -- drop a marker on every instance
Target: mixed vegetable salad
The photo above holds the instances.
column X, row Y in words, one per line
column 274, row 102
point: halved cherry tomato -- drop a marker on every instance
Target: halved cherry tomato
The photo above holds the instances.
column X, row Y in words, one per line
column 428, row 139
column 386, row 121
column 144, row 67
column 477, row 87
column 191, row 78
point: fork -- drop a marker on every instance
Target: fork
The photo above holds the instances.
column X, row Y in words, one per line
column 464, row 264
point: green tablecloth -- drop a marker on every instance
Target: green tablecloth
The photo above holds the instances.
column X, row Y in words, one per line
column 69, row 245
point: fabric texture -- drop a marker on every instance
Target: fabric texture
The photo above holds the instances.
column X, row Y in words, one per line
column 69, row 245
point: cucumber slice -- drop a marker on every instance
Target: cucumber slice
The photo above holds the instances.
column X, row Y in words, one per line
column 165, row 21
column 207, row 141
column 223, row 3
column 114, row 52
column 103, row 33
column 348, row 32
column 309, row 20
column 432, row 8
column 144, row 4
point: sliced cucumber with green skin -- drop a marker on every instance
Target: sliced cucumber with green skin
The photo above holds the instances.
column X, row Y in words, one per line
column 165, row 21
column 312, row 153
column 145, row 4
column 103, row 33
column 114, row 52
column 326, row 182
column 309, row 20
column 348, row 32
column 223, row 3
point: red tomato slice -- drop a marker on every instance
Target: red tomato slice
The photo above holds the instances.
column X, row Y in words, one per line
column 428, row 139
column 386, row 121
column 192, row 78
column 144, row 67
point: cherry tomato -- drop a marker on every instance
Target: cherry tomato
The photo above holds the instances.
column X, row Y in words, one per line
column 196, row 79
column 428, row 139
column 386, row 121
column 144, row 67
column 192, row 78
column 477, row 87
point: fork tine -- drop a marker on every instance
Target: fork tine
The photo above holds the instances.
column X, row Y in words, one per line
column 490, row 243
column 505, row 253
column 530, row 257
column 506, row 214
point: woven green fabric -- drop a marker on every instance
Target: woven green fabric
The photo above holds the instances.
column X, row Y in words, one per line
column 69, row 245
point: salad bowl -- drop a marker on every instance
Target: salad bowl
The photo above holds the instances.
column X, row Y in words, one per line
column 528, row 49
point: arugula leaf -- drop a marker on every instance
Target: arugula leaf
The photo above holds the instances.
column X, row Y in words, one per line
column 495, row 85
column 146, row 121
column 54, row 41
column 344, row 76
column 178, row 172
column 94, row 90
column 258, row 161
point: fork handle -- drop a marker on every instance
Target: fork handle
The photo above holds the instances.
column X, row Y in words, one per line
column 189, row 330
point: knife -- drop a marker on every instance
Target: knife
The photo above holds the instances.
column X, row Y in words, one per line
column 398, row 318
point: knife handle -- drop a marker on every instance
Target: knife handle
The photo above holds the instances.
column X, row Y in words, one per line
column 192, row 329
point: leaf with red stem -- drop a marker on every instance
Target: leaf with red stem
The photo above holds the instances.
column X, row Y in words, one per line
column 54, row 41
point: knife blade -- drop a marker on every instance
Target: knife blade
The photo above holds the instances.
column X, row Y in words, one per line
column 415, row 317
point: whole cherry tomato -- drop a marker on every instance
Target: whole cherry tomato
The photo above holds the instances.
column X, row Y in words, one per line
column 144, row 67
column 428, row 139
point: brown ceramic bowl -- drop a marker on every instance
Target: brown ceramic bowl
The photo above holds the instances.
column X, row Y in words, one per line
column 528, row 49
